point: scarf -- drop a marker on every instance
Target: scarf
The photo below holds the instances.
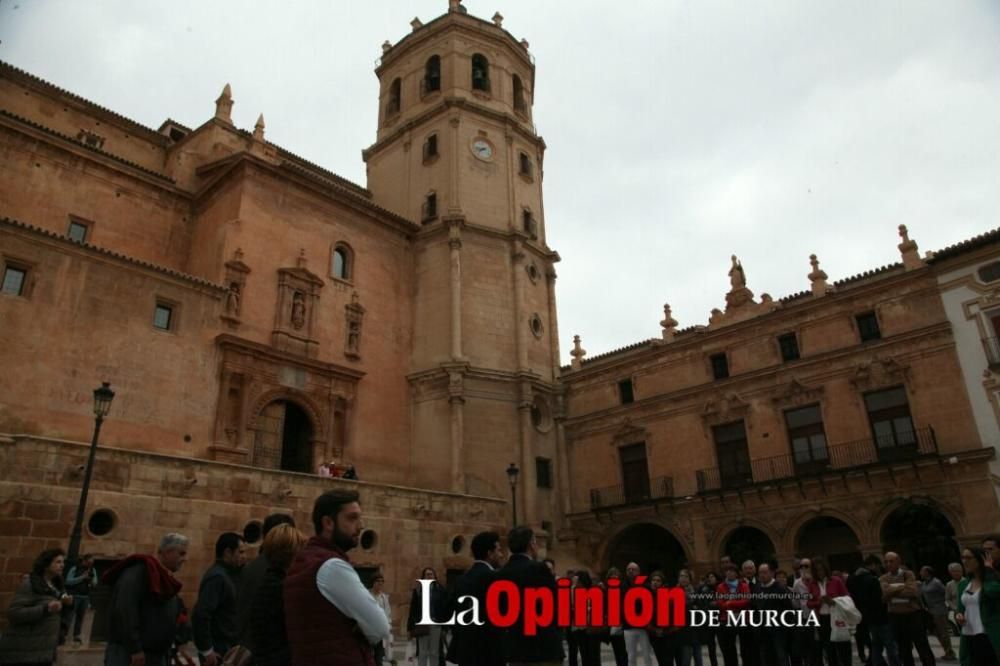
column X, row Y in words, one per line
column 162, row 584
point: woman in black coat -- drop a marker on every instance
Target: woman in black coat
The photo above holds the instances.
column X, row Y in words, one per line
column 267, row 609
column 34, row 614
column 428, row 638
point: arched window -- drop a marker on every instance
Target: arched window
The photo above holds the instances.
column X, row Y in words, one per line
column 432, row 75
column 480, row 72
column 342, row 262
column 393, row 105
column 519, row 103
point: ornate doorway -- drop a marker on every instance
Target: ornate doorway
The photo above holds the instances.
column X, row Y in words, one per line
column 283, row 438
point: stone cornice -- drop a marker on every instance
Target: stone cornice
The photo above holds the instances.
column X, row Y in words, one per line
column 96, row 155
column 28, row 80
column 462, row 22
column 748, row 385
column 704, row 337
column 510, row 122
column 430, row 233
column 328, row 189
column 65, row 243
column 259, row 350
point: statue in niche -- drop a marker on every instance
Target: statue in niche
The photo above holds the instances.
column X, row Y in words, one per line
column 298, row 310
column 353, row 337
column 233, row 300
column 737, row 278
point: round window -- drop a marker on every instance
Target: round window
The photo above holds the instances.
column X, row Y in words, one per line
column 541, row 414
column 457, row 544
column 532, row 272
column 368, row 539
column 536, row 325
column 101, row 522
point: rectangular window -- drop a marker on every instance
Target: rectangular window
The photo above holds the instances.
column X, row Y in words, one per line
column 635, row 472
column 526, row 167
column 789, row 345
column 431, row 148
column 430, row 207
column 720, row 366
column 14, row 280
column 163, row 317
column 543, row 472
column 625, row 392
column 892, row 426
column 530, row 227
column 77, row 231
column 868, row 327
column 733, row 455
column 807, row 438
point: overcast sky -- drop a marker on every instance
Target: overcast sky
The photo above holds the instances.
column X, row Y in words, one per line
column 678, row 133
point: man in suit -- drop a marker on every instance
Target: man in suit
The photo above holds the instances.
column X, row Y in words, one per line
column 475, row 645
column 545, row 647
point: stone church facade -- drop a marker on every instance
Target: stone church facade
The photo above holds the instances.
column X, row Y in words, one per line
column 258, row 315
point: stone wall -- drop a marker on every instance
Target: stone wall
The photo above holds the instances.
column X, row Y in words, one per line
column 151, row 494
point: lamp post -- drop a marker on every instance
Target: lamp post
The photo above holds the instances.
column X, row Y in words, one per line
column 102, row 405
column 512, row 472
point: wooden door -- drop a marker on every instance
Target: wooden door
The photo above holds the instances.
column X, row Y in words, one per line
column 268, row 439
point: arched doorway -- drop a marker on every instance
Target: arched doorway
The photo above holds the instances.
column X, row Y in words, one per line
column 651, row 547
column 283, row 438
column 833, row 539
column 749, row 543
column 921, row 535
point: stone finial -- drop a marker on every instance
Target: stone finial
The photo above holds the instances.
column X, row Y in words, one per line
column 525, row 44
column 301, row 261
column 578, row 353
column 386, row 46
column 238, row 254
column 224, row 105
column 416, row 24
column 454, row 5
column 817, row 277
column 908, row 249
column 498, row 20
column 669, row 324
column 258, row 129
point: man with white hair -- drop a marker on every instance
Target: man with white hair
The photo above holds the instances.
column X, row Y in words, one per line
column 144, row 605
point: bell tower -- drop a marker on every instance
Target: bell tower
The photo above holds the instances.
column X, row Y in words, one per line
column 456, row 151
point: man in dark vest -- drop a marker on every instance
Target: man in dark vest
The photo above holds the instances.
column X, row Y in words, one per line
column 330, row 618
column 475, row 645
column 545, row 647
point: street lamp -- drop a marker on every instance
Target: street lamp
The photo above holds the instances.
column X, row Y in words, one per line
column 102, row 405
column 512, row 472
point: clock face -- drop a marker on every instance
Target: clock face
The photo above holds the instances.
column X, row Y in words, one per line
column 482, row 149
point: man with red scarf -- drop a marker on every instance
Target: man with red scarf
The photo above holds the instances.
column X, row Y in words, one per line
column 330, row 617
column 145, row 605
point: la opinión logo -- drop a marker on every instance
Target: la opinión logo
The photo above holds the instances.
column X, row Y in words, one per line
column 535, row 607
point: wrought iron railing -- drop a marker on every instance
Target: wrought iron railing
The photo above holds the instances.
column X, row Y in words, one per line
column 620, row 495
column 860, row 453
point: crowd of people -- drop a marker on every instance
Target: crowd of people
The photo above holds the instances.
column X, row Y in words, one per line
column 302, row 603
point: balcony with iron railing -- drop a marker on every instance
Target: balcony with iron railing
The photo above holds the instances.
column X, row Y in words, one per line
column 893, row 448
column 661, row 487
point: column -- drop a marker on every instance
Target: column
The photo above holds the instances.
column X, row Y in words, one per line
column 550, row 276
column 455, row 245
column 520, row 320
column 528, row 484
